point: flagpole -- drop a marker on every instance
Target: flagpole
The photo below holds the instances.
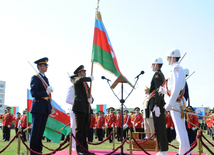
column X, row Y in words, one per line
column 92, row 66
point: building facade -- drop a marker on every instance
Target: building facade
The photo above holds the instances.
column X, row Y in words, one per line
column 2, row 96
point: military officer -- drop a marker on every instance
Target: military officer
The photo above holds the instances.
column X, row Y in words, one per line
column 110, row 121
column 186, row 92
column 100, row 125
column 8, row 124
column 106, row 116
column 3, row 117
column 127, row 123
column 147, row 116
column 23, row 124
column 70, row 100
column 92, row 127
column 137, row 120
column 81, row 107
column 118, row 124
column 156, row 105
column 175, row 90
column 192, row 129
column 41, row 106
column 16, row 122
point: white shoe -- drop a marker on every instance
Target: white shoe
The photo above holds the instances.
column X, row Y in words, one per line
column 163, row 153
column 158, row 153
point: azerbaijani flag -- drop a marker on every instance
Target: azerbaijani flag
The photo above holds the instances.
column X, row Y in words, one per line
column 14, row 110
column 55, row 121
column 29, row 103
column 101, row 107
column 102, row 51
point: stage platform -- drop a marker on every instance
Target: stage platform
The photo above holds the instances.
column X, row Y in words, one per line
column 103, row 152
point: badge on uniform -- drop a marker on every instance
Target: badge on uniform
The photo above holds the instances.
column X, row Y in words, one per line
column 156, row 76
column 177, row 69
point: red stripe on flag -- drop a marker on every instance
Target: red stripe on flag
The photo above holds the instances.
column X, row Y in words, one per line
column 29, row 103
column 61, row 117
column 101, row 40
column 101, row 108
column 14, row 110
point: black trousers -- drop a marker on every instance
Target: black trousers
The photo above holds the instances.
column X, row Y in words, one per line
column 125, row 133
column 109, row 130
column 100, row 134
column 82, row 127
column 160, row 129
column 16, row 130
column 3, row 132
column 37, row 130
column 192, row 135
column 6, row 131
column 119, row 133
column 169, row 135
column 90, row 134
column 24, row 134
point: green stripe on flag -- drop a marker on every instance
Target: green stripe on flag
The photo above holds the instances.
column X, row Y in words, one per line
column 52, row 135
column 12, row 110
column 56, row 125
column 104, row 58
column 98, row 108
column 29, row 117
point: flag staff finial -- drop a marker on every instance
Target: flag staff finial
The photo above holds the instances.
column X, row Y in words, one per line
column 98, row 14
column 98, row 1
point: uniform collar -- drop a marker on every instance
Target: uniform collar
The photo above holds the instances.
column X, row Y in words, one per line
column 175, row 63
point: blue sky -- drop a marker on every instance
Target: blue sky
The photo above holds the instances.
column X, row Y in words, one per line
column 139, row 31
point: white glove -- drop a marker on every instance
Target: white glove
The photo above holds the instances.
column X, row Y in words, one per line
column 162, row 90
column 94, row 128
column 156, row 109
column 115, row 126
column 136, row 124
column 194, row 128
column 8, row 126
column 142, row 123
column 90, row 100
column 105, row 124
column 52, row 111
column 166, row 126
column 171, row 128
column 213, row 126
column 103, row 127
column 112, row 125
column 125, row 126
column 92, row 78
column 49, row 90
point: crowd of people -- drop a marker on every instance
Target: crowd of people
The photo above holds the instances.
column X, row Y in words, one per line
column 10, row 121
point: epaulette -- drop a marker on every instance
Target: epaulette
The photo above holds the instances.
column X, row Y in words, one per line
column 36, row 74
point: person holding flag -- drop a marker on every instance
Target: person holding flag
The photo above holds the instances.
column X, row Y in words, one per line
column 41, row 106
column 81, row 107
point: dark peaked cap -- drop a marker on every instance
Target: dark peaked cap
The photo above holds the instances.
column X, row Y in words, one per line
column 42, row 61
column 80, row 68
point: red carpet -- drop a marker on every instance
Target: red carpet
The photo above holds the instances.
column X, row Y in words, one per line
column 102, row 152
